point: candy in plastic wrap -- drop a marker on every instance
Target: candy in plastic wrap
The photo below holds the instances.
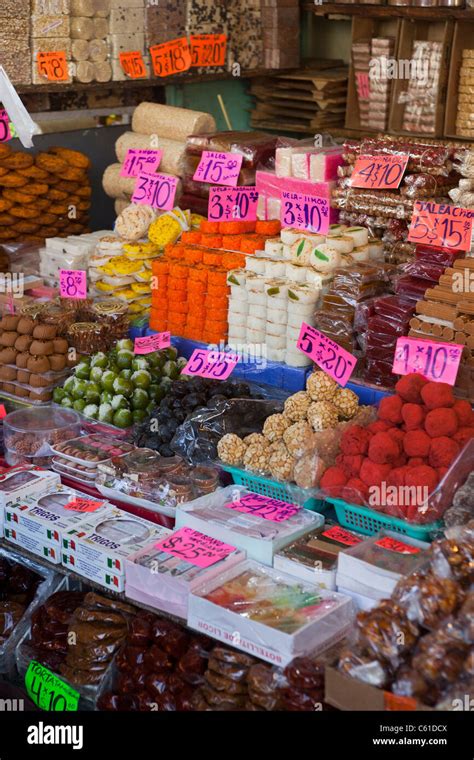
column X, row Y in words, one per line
column 440, row 659
column 453, row 557
column 364, row 667
column 387, row 632
column 410, row 683
column 426, row 599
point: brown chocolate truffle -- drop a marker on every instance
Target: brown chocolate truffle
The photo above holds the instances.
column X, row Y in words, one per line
column 23, row 342
column 38, row 381
column 42, row 348
column 7, row 373
column 44, row 332
column 38, row 364
column 57, row 361
column 21, row 392
column 8, row 355
column 8, row 388
column 23, row 376
column 25, row 326
column 60, row 345
column 41, row 396
column 9, row 322
column 8, row 338
column 21, row 360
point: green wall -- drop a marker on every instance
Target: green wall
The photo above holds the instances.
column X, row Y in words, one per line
column 203, row 97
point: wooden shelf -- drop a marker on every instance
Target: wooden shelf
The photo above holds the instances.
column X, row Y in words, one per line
column 386, row 11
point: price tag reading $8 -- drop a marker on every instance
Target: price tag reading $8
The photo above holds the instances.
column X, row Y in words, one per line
column 72, row 283
column 53, row 66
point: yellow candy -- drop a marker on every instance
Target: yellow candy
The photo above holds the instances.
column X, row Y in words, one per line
column 126, row 293
column 144, row 276
column 144, row 302
column 105, row 287
column 196, row 220
column 164, row 230
column 121, row 265
column 138, row 287
column 141, row 250
column 135, row 308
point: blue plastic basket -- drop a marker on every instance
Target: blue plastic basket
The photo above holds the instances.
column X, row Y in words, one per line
column 288, row 492
column 369, row 521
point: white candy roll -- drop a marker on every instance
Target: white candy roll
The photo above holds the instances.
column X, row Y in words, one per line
column 277, row 316
column 342, row 243
column 301, row 310
column 295, row 358
column 237, row 333
column 324, row 258
column 289, row 236
column 237, row 278
column 293, row 333
column 276, row 354
column 273, row 329
column 286, row 253
column 360, row 253
column 375, row 249
column 256, row 310
column 256, row 323
column 316, row 279
column 276, row 290
column 275, row 268
column 256, row 298
column 255, row 336
column 255, row 282
column 274, row 247
column 238, row 307
column 336, row 229
column 300, row 252
column 234, row 318
column 294, row 319
column 295, row 273
column 255, row 264
column 276, row 341
column 360, row 235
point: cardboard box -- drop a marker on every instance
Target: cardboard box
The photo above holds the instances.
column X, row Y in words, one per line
column 106, row 539
column 363, row 29
column 463, row 38
column 433, row 31
column 346, row 693
column 26, row 481
column 46, row 517
column 107, row 578
column 35, row 545
column 253, row 637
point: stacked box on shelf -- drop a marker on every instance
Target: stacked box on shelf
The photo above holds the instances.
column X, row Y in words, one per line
column 360, row 63
column 89, row 33
column 281, row 34
column 127, row 17
column 50, row 32
column 245, row 46
column 15, row 52
column 429, row 175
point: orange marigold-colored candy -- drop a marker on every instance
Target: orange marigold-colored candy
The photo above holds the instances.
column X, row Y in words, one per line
column 211, row 259
column 179, row 307
column 196, row 289
column 212, row 241
column 176, row 319
column 159, row 266
column 231, row 242
column 252, row 243
column 209, row 227
column 179, row 270
column 217, row 302
column 218, row 291
column 192, row 256
column 176, row 284
column 233, row 261
column 236, row 228
column 193, row 236
column 269, row 227
column 217, row 277
column 198, row 273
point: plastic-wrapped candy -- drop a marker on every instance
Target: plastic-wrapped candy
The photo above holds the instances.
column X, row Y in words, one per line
column 387, row 632
column 410, row 683
column 453, row 557
column 426, row 599
column 362, row 666
column 440, row 659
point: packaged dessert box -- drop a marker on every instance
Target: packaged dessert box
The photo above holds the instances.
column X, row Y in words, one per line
column 270, row 614
column 22, row 481
column 373, row 567
column 50, row 515
column 164, row 573
column 254, row 523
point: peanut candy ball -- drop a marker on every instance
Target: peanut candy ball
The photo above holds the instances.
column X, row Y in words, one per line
column 257, row 457
column 282, row 465
column 275, row 426
column 231, row 449
column 296, row 406
column 346, row 402
column 298, row 438
column 321, row 387
column 322, row 415
column 256, row 438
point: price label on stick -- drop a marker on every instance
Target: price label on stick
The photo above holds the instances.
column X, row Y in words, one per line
column 5, row 131
column 236, row 204
column 208, row 49
column 47, row 691
column 157, row 190
column 441, row 224
column 432, row 359
column 133, row 64
column 138, row 161
column 53, row 66
column 151, row 343
column 379, row 172
column 331, row 358
column 218, row 168
column 171, row 57
column 304, row 212
column 263, row 506
column 72, row 283
column 194, row 547
column 216, row 365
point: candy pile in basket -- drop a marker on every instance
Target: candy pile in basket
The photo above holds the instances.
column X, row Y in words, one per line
column 408, row 463
column 419, row 643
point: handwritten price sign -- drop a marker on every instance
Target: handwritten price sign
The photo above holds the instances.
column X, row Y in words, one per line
column 53, row 66
column 215, row 365
column 138, row 161
column 156, row 190
column 218, row 168
column 304, row 212
column 264, row 506
column 336, row 533
column 208, row 49
column 133, row 64
column 72, row 283
column 441, row 224
column 394, row 545
column 194, row 547
column 47, row 691
column 171, row 57
column 240, row 204
column 379, row 172
column 331, row 358
column 432, row 359
column 80, row 504
column 151, row 343
column 5, row 131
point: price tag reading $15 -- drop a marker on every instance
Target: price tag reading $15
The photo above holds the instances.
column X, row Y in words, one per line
column 441, row 224
column 138, row 161
column 218, row 168
column 216, row 365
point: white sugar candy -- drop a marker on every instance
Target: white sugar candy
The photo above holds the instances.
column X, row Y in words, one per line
column 274, row 268
column 295, row 273
column 236, row 277
column 276, row 341
column 295, row 358
column 325, row 258
column 342, row 243
column 360, row 235
column 255, row 264
column 275, row 354
column 360, row 253
column 273, row 247
column 277, row 316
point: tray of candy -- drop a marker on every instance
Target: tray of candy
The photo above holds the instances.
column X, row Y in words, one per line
column 368, row 521
column 288, row 492
column 69, row 472
column 91, row 450
column 114, row 494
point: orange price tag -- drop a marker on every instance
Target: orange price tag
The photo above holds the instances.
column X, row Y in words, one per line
column 394, row 702
column 441, row 224
column 171, row 57
column 79, row 504
column 133, row 64
column 53, row 66
column 379, row 172
column 208, row 49
column 397, row 546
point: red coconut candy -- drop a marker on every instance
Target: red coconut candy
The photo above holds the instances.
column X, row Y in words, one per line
column 409, row 387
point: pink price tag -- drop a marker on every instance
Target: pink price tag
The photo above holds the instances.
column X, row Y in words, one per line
column 140, row 161
column 151, row 343
column 72, row 283
column 236, row 204
column 218, row 168
column 5, row 131
column 264, row 506
column 331, row 358
column 216, row 365
column 194, row 547
column 304, row 212
column 435, row 361
column 156, row 190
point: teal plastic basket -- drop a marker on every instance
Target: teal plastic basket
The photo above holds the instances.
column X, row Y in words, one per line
column 369, row 521
column 288, row 492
